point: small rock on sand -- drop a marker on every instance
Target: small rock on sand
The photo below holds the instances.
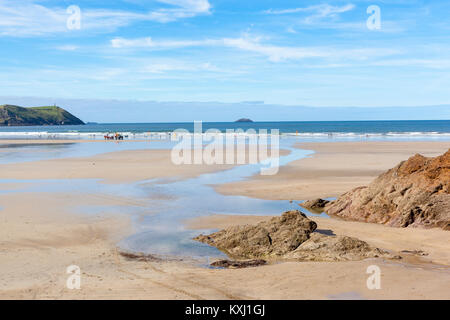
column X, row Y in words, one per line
column 238, row 264
column 138, row 256
column 415, row 252
column 315, row 206
column 340, row 248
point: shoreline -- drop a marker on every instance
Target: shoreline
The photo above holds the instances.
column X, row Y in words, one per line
column 68, row 141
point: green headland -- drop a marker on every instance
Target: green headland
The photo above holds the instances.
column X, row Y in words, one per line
column 36, row 116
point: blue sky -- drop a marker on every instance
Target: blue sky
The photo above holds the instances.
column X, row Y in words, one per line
column 299, row 53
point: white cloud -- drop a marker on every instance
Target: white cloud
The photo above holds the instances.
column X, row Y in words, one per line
column 291, row 30
column 67, row 47
column 272, row 52
column 164, row 67
column 425, row 63
column 316, row 12
column 193, row 6
column 28, row 18
column 165, row 44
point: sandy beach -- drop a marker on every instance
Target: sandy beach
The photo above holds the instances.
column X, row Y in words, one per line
column 42, row 233
column 333, row 169
column 225, row 150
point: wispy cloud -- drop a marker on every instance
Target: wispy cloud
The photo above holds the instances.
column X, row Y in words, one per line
column 29, row 18
column 316, row 12
column 165, row 67
column 254, row 44
column 424, row 63
column 163, row 44
column 67, row 47
column 274, row 53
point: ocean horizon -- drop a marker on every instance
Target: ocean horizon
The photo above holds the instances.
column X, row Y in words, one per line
column 301, row 128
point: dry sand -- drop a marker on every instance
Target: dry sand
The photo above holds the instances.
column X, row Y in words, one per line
column 41, row 234
column 334, row 169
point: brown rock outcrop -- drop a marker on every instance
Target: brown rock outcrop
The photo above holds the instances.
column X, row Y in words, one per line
column 289, row 237
column 275, row 237
column 413, row 194
column 339, row 248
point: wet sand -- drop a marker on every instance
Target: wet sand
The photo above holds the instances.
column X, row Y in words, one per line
column 41, row 234
column 37, row 245
column 114, row 167
column 40, row 244
column 333, row 169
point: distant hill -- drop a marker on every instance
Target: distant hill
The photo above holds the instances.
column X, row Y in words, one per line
column 244, row 120
column 36, row 116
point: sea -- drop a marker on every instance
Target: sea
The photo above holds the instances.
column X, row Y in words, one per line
column 309, row 129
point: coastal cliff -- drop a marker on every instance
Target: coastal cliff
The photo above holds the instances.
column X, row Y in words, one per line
column 413, row 194
column 36, row 116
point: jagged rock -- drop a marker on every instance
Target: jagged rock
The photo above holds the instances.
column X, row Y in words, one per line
column 316, row 205
column 238, row 264
column 289, row 237
column 413, row 194
column 138, row 256
column 275, row 237
column 340, row 248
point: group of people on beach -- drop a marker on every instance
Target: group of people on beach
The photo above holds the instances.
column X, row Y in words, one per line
column 115, row 136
